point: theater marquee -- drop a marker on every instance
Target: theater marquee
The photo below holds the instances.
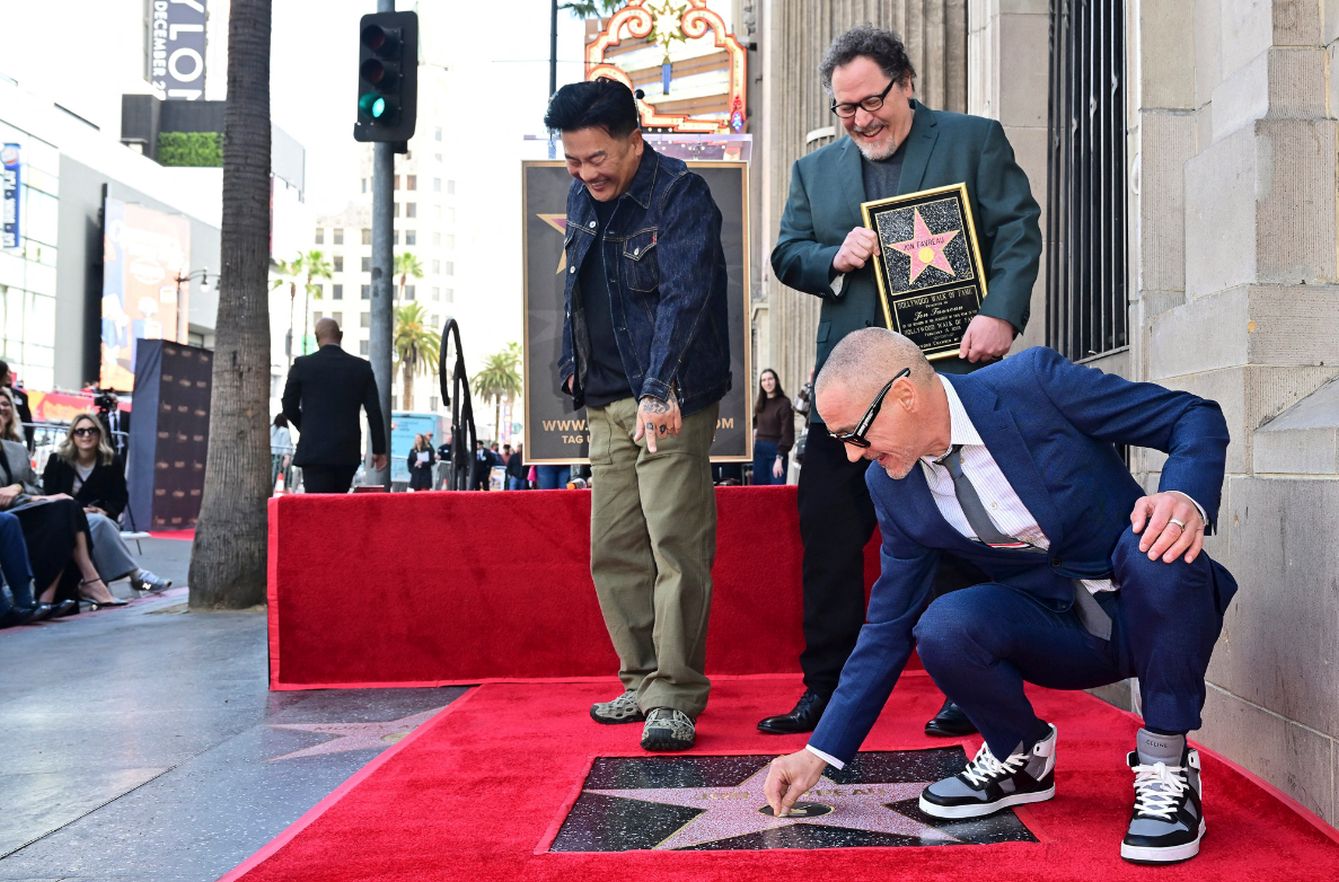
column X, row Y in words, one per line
column 556, row 433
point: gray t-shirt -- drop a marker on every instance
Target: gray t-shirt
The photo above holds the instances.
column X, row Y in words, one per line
column 882, row 176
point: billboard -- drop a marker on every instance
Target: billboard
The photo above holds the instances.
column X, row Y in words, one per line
column 176, row 48
column 144, row 251
column 554, row 433
column 9, row 196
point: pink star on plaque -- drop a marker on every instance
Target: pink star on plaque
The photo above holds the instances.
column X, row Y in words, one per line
column 353, row 736
column 728, row 812
column 925, row 248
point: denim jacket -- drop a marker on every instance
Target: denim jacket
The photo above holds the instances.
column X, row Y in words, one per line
column 667, row 285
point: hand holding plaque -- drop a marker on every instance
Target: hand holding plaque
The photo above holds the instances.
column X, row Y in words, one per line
column 928, row 266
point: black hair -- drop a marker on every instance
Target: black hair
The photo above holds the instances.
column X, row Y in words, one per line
column 602, row 104
column 761, row 401
column 280, row 421
column 881, row 46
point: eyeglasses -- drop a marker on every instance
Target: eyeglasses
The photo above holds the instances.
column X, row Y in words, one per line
column 856, row 437
column 85, row 431
column 870, row 104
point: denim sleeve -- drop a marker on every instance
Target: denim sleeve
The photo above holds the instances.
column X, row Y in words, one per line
column 690, row 258
column 566, row 361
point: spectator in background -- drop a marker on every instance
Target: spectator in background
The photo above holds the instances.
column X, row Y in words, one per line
column 482, row 465
column 281, row 449
column 516, row 469
column 420, row 463
column 326, row 390
column 115, row 423
column 85, row 467
column 552, row 477
column 20, row 403
column 774, row 430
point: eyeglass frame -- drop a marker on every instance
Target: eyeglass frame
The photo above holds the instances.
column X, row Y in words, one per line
column 856, row 437
column 86, row 431
column 860, row 105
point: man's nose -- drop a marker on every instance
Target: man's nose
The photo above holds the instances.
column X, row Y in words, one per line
column 862, row 117
column 853, row 453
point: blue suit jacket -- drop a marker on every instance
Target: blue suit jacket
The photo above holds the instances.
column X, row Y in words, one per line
column 1052, row 427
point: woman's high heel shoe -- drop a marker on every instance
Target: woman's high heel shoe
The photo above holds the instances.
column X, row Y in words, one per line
column 115, row 601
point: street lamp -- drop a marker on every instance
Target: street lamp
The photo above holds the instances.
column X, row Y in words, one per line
column 183, row 317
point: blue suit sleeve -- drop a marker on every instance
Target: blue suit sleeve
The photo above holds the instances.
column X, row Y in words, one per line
column 896, row 602
column 1189, row 429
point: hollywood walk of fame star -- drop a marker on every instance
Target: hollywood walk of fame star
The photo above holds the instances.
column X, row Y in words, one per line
column 728, row 812
column 353, row 736
column 925, row 248
column 559, row 223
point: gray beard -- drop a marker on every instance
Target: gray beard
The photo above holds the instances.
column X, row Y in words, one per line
column 876, row 154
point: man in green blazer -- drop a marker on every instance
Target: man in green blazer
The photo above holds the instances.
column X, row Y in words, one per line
column 894, row 145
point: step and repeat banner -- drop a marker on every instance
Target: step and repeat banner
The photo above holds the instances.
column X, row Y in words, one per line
column 555, row 432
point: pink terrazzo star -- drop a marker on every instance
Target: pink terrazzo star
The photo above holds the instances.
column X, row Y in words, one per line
column 353, row 736
column 925, row 248
column 733, row 811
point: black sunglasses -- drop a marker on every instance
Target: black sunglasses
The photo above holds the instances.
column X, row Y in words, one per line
column 856, row 437
column 869, row 104
column 85, row 431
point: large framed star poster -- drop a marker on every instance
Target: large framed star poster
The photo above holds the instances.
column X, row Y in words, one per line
column 556, row 433
column 929, row 272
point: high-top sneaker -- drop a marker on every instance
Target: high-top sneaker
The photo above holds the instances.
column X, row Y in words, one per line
column 1168, row 821
column 988, row 785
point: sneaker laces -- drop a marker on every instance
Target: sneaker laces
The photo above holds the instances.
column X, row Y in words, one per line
column 984, row 768
column 1158, row 789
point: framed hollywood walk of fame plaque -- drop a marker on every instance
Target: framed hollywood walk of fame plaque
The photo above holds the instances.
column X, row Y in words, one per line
column 928, row 269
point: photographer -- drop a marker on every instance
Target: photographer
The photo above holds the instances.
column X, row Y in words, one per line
column 115, row 423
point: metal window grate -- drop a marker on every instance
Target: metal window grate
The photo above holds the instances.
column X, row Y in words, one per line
column 1086, row 218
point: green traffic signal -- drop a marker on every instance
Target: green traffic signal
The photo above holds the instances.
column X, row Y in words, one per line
column 372, row 105
column 387, row 77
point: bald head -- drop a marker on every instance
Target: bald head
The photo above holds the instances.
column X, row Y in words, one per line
column 327, row 331
column 865, row 359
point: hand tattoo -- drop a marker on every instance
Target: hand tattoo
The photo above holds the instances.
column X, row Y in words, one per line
column 655, row 405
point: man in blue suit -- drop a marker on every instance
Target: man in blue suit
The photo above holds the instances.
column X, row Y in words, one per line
column 1089, row 580
column 894, row 145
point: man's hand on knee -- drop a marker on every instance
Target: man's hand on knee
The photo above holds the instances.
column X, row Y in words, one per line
column 1169, row 525
column 789, row 777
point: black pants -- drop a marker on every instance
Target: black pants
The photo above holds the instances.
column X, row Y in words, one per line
column 327, row 479
column 836, row 521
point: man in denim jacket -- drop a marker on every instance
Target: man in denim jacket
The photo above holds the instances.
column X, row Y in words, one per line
column 645, row 350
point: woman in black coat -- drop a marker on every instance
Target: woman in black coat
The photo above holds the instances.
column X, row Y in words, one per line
column 420, row 467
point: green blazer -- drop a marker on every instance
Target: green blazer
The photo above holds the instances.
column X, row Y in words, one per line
column 827, row 187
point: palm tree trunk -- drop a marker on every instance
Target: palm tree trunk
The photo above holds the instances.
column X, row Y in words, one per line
column 228, row 557
column 408, row 395
column 306, row 315
column 497, row 420
column 292, row 320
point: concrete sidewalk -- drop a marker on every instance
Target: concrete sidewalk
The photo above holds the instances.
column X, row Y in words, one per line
column 143, row 744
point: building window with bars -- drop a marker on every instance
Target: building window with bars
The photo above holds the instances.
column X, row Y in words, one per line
column 1086, row 279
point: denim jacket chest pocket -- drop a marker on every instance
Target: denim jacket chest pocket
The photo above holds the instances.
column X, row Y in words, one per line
column 641, row 269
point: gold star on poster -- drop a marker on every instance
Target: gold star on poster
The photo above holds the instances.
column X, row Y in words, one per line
column 925, row 249
column 559, row 223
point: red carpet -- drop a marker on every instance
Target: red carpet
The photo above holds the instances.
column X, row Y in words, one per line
column 179, row 535
column 417, row 589
column 479, row 792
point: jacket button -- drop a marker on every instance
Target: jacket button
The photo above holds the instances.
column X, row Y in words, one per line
column 571, row 269
column 591, row 225
column 636, row 251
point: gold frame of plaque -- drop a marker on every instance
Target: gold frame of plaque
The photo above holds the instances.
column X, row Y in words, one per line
column 936, row 251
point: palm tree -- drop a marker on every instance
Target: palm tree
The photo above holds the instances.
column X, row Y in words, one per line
column 406, row 265
column 415, row 346
column 228, row 556
column 500, row 380
column 315, row 267
column 286, row 272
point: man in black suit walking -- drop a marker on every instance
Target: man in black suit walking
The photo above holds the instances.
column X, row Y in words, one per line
column 321, row 399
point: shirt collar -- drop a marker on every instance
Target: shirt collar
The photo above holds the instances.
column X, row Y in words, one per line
column 961, row 430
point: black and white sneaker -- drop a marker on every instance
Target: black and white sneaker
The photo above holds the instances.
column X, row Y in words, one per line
column 987, row 785
column 1168, row 821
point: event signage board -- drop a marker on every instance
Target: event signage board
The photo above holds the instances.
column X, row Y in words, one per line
column 554, row 431
column 9, row 195
column 177, row 48
column 929, row 271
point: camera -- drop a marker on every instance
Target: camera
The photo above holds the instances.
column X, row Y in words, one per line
column 104, row 401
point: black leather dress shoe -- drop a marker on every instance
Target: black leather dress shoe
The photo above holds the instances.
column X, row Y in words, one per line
column 950, row 722
column 802, row 718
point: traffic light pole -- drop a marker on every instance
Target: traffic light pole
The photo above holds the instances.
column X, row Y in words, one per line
column 383, row 262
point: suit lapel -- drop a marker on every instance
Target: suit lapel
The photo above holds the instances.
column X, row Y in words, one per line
column 852, row 182
column 920, row 143
column 996, row 425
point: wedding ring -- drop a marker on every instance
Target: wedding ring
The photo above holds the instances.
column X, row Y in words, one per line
column 1179, row 523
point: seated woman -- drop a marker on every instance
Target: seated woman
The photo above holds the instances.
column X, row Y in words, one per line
column 85, row 467
column 55, row 529
column 24, row 608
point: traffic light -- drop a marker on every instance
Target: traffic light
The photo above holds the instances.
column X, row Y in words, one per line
column 387, row 77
